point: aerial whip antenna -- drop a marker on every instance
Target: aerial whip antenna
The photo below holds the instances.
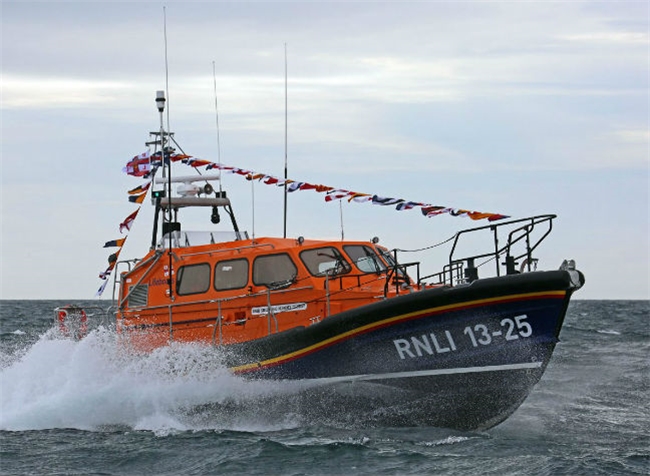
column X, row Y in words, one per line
column 285, row 140
column 166, row 66
column 166, row 164
column 253, row 207
column 216, row 115
column 341, row 216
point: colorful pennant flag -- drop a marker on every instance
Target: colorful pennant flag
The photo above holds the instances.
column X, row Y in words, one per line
column 431, row 211
column 137, row 198
column 193, row 162
column 332, row 194
column 376, row 200
column 139, row 189
column 128, row 221
column 139, row 165
column 118, row 242
column 359, row 197
column 336, row 194
column 100, row 291
column 408, row 205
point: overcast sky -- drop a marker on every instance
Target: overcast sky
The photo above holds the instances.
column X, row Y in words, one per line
column 518, row 108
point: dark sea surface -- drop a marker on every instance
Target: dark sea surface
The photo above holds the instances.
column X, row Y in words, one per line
column 88, row 408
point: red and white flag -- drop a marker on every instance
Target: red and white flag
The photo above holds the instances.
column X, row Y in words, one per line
column 128, row 221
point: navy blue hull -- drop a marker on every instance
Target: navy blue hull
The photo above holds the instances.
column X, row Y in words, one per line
column 463, row 357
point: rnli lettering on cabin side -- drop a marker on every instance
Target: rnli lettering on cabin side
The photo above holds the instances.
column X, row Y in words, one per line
column 296, row 306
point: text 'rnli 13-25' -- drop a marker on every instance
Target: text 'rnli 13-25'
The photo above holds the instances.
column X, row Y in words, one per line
column 478, row 335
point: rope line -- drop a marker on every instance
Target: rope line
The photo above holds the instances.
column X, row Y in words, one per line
column 428, row 247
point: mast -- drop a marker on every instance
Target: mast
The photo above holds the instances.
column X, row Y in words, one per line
column 166, row 164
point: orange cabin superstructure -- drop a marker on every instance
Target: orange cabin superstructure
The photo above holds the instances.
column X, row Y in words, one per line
column 241, row 290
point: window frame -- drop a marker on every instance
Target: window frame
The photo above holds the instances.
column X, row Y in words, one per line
column 181, row 272
column 377, row 258
column 347, row 267
column 216, row 267
column 263, row 257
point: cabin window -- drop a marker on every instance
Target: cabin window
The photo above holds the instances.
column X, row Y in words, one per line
column 274, row 270
column 193, row 279
column 231, row 274
column 325, row 261
column 365, row 258
column 388, row 257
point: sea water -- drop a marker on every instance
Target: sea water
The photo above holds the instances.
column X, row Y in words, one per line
column 96, row 407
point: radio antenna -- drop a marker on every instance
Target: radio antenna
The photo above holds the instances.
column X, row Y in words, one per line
column 216, row 115
column 285, row 140
column 253, row 207
column 166, row 66
column 167, row 165
column 341, row 214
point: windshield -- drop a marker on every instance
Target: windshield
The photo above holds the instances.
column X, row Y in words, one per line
column 365, row 258
column 325, row 261
column 390, row 259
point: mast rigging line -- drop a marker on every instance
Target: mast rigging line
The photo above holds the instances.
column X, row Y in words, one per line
column 427, row 247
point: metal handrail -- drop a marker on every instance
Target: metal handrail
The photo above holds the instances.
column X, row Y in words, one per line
column 526, row 230
column 225, row 299
column 223, row 250
column 463, row 269
column 218, row 326
column 219, row 319
column 270, row 314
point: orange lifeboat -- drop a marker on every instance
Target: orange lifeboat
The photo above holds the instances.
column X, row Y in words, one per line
column 368, row 331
